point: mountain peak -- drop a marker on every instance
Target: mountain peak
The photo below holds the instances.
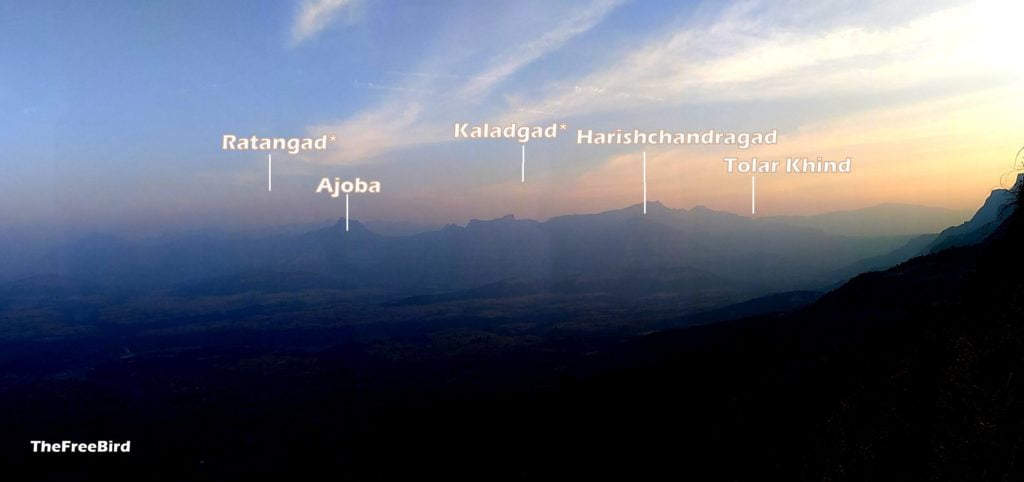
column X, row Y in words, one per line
column 999, row 205
column 998, row 198
column 655, row 206
column 353, row 226
column 506, row 219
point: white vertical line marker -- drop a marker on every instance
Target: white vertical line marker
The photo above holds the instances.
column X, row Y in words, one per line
column 753, row 197
column 522, row 175
column 645, row 181
column 270, row 163
column 346, row 212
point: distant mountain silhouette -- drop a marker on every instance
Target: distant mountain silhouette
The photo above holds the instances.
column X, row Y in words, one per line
column 556, row 369
column 754, row 256
column 914, row 247
column 909, row 373
column 889, row 219
column 664, row 249
column 999, row 206
column 398, row 228
column 748, row 257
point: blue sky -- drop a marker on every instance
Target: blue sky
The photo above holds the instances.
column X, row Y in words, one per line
column 111, row 112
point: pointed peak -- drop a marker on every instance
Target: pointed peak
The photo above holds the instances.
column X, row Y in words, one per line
column 353, row 226
column 658, row 207
column 651, row 206
column 655, row 203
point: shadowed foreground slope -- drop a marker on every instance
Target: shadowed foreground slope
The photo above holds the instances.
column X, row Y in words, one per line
column 912, row 373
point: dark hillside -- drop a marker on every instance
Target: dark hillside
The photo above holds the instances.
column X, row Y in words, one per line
column 914, row 373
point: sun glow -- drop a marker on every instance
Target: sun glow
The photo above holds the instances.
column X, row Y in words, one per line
column 997, row 39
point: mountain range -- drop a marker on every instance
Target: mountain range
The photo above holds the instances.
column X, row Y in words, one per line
column 907, row 373
column 753, row 256
column 999, row 205
column 889, row 219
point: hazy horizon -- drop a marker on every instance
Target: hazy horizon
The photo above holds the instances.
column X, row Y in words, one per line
column 228, row 225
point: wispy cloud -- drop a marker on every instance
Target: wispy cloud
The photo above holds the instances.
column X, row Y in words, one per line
column 832, row 49
column 371, row 132
column 575, row 24
column 396, row 121
column 943, row 151
column 721, row 61
column 314, row 16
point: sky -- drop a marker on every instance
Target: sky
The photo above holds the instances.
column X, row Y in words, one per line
column 112, row 112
